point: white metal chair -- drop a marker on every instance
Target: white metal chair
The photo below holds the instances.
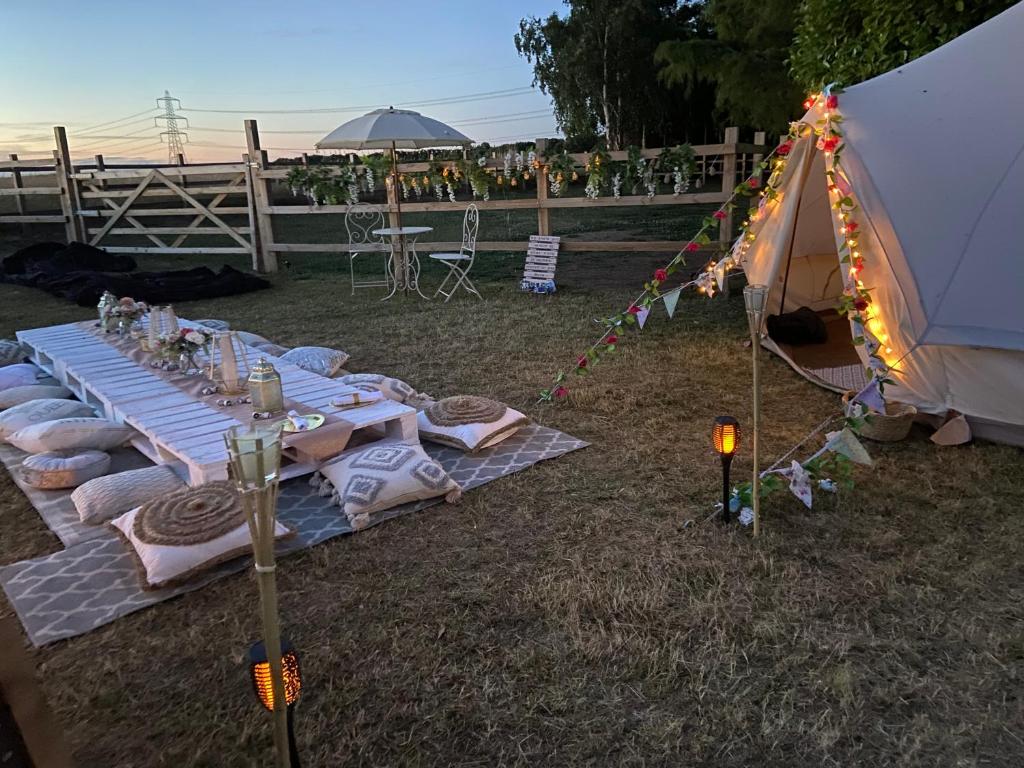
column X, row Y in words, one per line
column 460, row 263
column 360, row 221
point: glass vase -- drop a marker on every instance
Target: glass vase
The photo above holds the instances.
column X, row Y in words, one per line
column 187, row 364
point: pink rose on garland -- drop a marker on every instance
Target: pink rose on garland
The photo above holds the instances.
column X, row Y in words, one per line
column 831, row 102
column 582, row 362
column 753, row 182
column 692, row 248
column 634, row 310
column 560, row 392
column 784, row 148
column 611, row 338
column 719, row 215
column 660, row 275
column 861, row 304
column 851, row 226
column 829, row 143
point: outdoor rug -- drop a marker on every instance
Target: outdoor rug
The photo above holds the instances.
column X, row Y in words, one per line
column 95, row 582
column 56, row 507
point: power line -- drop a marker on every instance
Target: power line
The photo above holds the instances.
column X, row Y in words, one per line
column 482, row 96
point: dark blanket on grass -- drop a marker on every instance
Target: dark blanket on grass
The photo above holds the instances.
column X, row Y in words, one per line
column 81, row 273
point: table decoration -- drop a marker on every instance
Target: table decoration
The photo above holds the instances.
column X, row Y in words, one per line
column 265, row 388
column 127, row 312
column 229, row 363
column 183, row 345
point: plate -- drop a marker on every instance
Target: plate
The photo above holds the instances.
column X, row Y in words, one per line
column 313, row 420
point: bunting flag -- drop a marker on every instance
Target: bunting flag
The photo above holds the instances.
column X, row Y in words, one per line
column 746, row 516
column 800, row 483
column 721, row 268
column 641, row 316
column 845, row 443
column 871, row 397
column 671, row 299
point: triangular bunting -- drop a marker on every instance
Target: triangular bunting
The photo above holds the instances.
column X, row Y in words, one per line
column 845, row 443
column 641, row 316
column 721, row 268
column 671, row 299
column 800, row 483
column 871, row 397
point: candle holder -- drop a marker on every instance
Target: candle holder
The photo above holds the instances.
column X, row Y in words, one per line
column 229, row 364
column 255, row 465
column 755, row 298
column 265, row 388
column 262, row 683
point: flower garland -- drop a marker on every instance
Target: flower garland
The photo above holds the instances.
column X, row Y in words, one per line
column 597, row 168
column 681, row 160
column 560, row 170
column 320, row 185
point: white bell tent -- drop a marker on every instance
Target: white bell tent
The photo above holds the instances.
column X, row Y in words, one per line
column 934, row 154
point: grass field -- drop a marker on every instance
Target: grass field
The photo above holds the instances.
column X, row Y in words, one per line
column 582, row 612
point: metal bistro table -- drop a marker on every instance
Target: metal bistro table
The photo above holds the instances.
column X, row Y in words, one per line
column 404, row 260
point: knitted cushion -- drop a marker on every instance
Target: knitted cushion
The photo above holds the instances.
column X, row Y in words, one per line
column 10, row 352
column 181, row 534
column 18, row 375
column 392, row 389
column 64, row 469
column 469, row 423
column 71, row 434
column 382, row 476
column 107, row 497
column 321, row 360
column 38, row 411
column 18, row 395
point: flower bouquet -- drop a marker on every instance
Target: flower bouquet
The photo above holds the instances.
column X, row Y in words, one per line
column 183, row 345
column 126, row 312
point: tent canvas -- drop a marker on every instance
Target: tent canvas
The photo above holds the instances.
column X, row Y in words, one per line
column 934, row 153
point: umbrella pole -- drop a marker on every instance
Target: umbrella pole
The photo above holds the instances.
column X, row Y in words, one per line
column 397, row 194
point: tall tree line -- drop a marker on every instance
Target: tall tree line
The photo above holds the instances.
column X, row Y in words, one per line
column 660, row 72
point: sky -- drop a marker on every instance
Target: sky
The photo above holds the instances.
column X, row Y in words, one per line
column 97, row 68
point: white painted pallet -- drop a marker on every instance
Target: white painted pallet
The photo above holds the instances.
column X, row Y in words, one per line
column 177, row 429
column 541, row 261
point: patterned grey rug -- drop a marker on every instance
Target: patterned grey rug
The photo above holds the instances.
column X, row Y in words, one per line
column 94, row 582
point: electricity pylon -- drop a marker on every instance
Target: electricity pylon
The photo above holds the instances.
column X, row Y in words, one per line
column 171, row 135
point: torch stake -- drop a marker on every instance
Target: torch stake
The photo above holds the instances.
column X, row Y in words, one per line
column 726, row 463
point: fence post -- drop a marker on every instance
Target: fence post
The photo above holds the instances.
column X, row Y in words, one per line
column 264, row 256
column 759, row 140
column 18, row 202
column 541, row 177
column 63, row 169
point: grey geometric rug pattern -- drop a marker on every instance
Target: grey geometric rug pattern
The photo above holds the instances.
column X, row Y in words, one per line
column 94, row 582
column 842, row 377
column 56, row 507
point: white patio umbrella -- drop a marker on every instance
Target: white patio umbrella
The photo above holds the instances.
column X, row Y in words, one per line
column 393, row 129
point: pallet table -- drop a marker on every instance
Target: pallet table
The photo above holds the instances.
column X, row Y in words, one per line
column 175, row 428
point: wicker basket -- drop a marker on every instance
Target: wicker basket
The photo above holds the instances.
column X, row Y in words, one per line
column 890, row 427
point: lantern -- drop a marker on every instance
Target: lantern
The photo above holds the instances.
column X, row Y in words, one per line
column 265, row 387
column 726, row 438
column 259, row 670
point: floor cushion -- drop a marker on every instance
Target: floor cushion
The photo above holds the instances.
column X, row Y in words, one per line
column 18, row 395
column 270, row 348
column 64, row 469
column 184, row 533
column 468, row 422
column 71, row 434
column 19, row 375
column 382, row 476
column 392, row 389
column 38, row 411
column 321, row 360
column 11, row 352
column 251, row 339
column 107, row 497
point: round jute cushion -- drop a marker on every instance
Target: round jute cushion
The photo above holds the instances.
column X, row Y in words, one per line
column 191, row 516
column 465, row 409
column 64, row 469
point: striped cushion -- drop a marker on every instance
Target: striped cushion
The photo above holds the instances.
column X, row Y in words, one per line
column 37, row 411
column 18, row 375
column 71, row 434
column 107, row 497
column 64, row 469
column 18, row 395
column 10, row 352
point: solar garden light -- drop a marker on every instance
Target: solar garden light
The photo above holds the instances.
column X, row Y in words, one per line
column 726, row 439
column 255, row 463
column 263, row 684
column 755, row 297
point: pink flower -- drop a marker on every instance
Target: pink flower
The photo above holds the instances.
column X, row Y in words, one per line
column 851, row 226
column 861, row 304
column 582, row 362
column 830, row 143
column 831, row 102
column 611, row 338
column 753, row 182
column 691, row 248
column 784, row 148
column 660, row 275
column 634, row 310
column 719, row 215
column 560, row 391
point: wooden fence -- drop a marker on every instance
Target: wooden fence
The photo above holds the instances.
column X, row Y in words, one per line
column 100, row 204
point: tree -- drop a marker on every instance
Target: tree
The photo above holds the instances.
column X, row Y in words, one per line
column 854, row 40
column 744, row 60
column 595, row 63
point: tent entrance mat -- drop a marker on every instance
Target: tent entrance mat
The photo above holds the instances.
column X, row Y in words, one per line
column 94, row 582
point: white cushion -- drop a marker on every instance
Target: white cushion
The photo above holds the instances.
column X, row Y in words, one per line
column 183, row 533
column 38, row 411
column 382, row 476
column 469, row 423
column 393, row 389
column 71, row 434
column 450, row 256
column 64, row 469
column 321, row 360
column 107, row 497
column 11, row 352
column 23, row 394
column 19, row 375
